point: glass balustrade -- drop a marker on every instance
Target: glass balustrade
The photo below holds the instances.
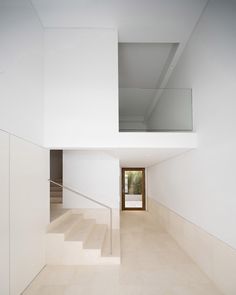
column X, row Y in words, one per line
column 155, row 110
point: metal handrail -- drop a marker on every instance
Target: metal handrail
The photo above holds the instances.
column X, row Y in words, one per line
column 92, row 200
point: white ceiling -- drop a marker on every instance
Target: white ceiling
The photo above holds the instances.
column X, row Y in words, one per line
column 141, row 64
column 143, row 157
column 136, row 20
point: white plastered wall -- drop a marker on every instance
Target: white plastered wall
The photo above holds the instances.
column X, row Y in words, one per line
column 96, row 175
column 24, row 165
column 81, row 86
column 29, row 211
column 4, row 213
column 21, row 70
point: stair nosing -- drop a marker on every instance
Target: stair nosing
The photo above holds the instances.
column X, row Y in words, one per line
column 68, row 239
column 86, row 244
column 70, row 227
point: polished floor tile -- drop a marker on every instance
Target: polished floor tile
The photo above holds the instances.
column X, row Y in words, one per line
column 152, row 264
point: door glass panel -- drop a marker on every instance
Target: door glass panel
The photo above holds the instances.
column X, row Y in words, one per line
column 133, row 189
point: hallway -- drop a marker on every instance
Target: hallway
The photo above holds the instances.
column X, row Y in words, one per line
column 152, row 263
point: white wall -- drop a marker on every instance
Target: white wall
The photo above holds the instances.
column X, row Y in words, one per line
column 173, row 111
column 21, row 70
column 92, row 173
column 200, row 185
column 24, row 168
column 24, row 212
column 81, row 85
column 4, row 213
column 29, row 211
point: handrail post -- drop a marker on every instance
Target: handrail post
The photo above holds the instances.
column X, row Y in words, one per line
column 111, row 231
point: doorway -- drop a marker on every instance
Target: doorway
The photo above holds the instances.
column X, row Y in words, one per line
column 56, row 174
column 133, row 188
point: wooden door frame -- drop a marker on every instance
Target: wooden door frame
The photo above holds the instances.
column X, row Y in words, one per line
column 143, row 188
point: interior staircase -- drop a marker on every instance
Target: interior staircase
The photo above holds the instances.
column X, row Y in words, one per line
column 74, row 240
column 56, row 192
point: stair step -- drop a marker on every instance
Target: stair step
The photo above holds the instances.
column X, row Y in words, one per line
column 55, row 207
column 96, row 238
column 73, row 240
column 56, row 200
column 67, row 224
column 55, row 194
column 56, row 211
column 55, row 189
column 58, row 180
column 58, row 215
column 81, row 231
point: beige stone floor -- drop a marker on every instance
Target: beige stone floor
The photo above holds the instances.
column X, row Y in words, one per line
column 152, row 263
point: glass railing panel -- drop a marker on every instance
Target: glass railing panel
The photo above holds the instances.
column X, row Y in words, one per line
column 155, row 110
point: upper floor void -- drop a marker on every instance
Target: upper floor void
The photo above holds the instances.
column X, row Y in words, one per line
column 81, row 93
column 146, row 103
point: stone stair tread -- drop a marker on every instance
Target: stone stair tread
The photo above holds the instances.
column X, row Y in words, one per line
column 81, row 231
column 67, row 224
column 96, row 238
column 58, row 180
column 57, row 212
column 75, row 240
column 55, row 189
column 56, row 200
column 56, row 194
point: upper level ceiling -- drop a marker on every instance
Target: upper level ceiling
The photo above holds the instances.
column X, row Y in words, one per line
column 141, row 68
column 136, row 20
column 141, row 64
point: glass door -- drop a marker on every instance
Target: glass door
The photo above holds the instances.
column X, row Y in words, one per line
column 133, row 188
